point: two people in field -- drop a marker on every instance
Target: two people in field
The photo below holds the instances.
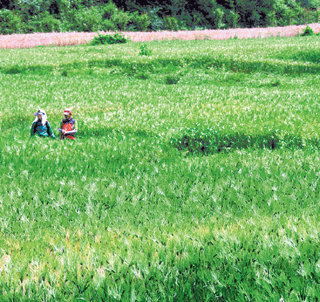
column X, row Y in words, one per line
column 41, row 126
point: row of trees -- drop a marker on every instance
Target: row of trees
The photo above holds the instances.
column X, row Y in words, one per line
column 24, row 16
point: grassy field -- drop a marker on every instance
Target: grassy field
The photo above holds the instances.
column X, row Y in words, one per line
column 194, row 176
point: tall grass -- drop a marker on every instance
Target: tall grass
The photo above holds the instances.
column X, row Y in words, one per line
column 128, row 211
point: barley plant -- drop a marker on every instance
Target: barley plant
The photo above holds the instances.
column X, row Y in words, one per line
column 195, row 174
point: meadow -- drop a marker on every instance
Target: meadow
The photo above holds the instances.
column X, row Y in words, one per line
column 75, row 38
column 194, row 175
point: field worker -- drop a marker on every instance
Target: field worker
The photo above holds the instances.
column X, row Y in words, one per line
column 41, row 126
column 68, row 125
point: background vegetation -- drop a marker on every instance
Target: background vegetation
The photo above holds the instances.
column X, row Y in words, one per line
column 26, row 16
column 152, row 201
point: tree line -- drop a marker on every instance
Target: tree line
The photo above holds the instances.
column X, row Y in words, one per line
column 27, row 16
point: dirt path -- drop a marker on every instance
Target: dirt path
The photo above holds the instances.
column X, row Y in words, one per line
column 63, row 39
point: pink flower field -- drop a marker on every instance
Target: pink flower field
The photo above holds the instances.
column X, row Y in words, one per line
column 63, row 39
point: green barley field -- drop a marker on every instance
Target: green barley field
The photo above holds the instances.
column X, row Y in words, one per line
column 195, row 175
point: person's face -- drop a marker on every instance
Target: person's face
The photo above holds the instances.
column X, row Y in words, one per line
column 67, row 116
column 40, row 117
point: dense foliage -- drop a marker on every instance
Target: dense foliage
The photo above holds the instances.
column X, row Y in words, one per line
column 144, row 205
column 109, row 39
column 24, row 16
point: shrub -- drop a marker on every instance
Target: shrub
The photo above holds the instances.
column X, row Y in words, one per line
column 42, row 23
column 156, row 23
column 116, row 19
column 288, row 12
column 207, row 141
column 32, row 7
column 58, row 7
column 310, row 4
column 172, row 79
column 88, row 19
column 218, row 18
column 50, row 24
column 108, row 25
column 142, row 76
column 275, row 83
column 310, row 16
column 232, row 19
column 144, row 50
column 109, row 39
column 253, row 12
column 170, row 23
column 141, row 22
column 109, row 10
column 307, row 31
column 29, row 26
column 82, row 19
column 14, row 70
column 10, row 22
column 121, row 19
column 270, row 18
column 90, row 15
column 197, row 21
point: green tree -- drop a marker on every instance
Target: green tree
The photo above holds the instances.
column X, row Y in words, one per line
column 10, row 22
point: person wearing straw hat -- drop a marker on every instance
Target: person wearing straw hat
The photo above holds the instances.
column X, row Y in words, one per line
column 68, row 126
column 40, row 126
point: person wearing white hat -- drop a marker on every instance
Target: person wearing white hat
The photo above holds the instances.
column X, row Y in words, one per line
column 40, row 126
column 68, row 126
